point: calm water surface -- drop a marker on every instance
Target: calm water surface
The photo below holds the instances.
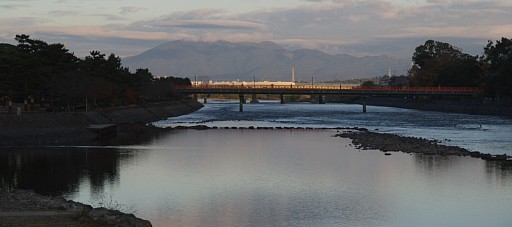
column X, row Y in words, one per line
column 267, row 178
column 486, row 134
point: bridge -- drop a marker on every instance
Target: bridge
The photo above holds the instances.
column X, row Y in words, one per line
column 322, row 90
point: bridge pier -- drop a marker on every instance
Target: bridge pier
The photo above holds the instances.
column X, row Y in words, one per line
column 254, row 98
column 205, row 99
column 195, row 96
column 321, row 99
column 364, row 104
column 242, row 101
column 282, row 98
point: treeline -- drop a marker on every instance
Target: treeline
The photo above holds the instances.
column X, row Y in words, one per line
column 441, row 64
column 49, row 73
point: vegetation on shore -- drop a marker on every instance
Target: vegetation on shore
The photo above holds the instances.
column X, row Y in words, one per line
column 48, row 74
column 35, row 71
column 441, row 64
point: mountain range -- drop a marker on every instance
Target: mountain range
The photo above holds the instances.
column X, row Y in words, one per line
column 228, row 61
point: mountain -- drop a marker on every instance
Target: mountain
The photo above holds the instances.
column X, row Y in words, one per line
column 229, row 61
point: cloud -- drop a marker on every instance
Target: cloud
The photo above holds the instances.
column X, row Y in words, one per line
column 109, row 17
column 12, row 6
column 63, row 13
column 214, row 24
column 335, row 26
column 104, row 32
column 197, row 14
column 130, row 10
column 355, row 23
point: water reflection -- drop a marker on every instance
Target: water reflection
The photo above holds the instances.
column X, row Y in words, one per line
column 269, row 178
column 56, row 171
column 499, row 173
column 487, row 134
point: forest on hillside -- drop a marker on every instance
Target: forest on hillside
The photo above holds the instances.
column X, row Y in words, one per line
column 48, row 74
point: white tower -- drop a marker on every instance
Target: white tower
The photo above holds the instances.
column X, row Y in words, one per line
column 293, row 73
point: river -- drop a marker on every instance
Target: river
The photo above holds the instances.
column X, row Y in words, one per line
column 286, row 177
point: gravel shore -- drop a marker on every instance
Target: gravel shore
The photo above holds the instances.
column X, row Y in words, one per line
column 26, row 208
column 364, row 139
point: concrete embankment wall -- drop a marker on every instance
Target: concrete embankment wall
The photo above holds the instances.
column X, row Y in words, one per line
column 142, row 113
column 33, row 128
column 466, row 106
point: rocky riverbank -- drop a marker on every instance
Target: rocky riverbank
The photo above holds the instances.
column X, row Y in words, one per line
column 364, row 139
column 26, row 208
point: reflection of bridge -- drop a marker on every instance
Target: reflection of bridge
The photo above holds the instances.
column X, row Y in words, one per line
column 326, row 90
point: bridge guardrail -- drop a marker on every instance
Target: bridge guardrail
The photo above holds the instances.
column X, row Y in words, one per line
column 323, row 87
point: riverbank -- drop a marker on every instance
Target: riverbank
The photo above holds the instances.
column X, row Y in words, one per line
column 464, row 106
column 364, row 139
column 62, row 128
column 26, row 208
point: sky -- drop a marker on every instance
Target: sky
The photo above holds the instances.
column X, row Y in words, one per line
column 356, row 27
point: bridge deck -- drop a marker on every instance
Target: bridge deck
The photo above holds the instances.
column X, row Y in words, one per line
column 327, row 90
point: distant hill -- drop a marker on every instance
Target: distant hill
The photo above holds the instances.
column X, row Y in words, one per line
column 223, row 60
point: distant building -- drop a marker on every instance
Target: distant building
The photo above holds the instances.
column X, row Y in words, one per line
column 203, row 80
column 250, row 83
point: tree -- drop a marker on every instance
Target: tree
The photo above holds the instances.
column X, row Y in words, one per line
column 497, row 60
column 38, row 69
column 368, row 83
column 433, row 50
column 441, row 64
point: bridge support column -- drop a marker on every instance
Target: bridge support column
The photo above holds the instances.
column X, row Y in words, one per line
column 254, row 98
column 364, row 104
column 282, row 99
column 205, row 99
column 242, row 101
column 195, row 97
column 321, row 99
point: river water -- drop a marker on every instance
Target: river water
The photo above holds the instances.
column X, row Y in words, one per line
column 286, row 177
column 486, row 134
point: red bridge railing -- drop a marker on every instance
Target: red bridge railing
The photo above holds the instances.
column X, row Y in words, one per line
column 332, row 87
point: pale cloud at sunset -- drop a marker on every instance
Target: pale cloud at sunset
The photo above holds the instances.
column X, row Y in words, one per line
column 377, row 27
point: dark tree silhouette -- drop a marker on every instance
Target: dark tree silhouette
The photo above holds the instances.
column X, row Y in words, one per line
column 497, row 59
column 441, row 64
column 50, row 72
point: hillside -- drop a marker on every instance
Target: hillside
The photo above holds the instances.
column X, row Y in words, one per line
column 223, row 60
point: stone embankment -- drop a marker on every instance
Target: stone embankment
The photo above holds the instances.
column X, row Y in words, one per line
column 464, row 106
column 26, row 208
column 63, row 128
